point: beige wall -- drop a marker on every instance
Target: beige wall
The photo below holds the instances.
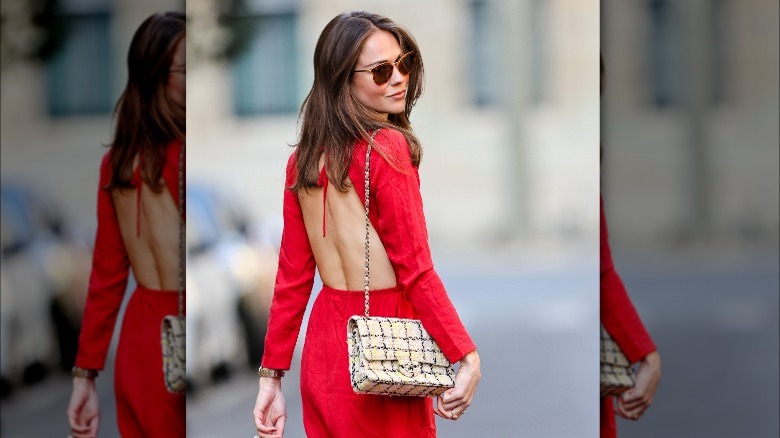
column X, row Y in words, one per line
column 61, row 156
column 648, row 171
column 472, row 155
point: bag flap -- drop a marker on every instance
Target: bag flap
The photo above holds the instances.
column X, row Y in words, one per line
column 396, row 339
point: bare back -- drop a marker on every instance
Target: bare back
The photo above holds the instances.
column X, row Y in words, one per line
column 340, row 254
column 154, row 254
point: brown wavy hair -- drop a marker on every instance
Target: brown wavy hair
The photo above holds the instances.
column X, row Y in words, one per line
column 332, row 120
column 147, row 119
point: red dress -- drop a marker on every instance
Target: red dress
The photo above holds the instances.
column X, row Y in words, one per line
column 330, row 407
column 144, row 407
column 621, row 321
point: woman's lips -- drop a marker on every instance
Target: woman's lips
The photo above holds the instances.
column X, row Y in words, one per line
column 398, row 95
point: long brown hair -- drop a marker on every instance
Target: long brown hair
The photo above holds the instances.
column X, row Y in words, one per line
column 147, row 119
column 332, row 119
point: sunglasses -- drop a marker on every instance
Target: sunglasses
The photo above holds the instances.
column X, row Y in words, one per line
column 384, row 71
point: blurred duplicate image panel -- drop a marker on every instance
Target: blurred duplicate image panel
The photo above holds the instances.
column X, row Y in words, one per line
column 690, row 186
column 510, row 177
column 64, row 66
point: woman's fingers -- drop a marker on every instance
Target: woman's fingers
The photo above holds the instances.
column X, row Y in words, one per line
column 280, row 424
column 630, row 412
column 454, row 399
column 437, row 406
column 455, row 407
column 443, row 411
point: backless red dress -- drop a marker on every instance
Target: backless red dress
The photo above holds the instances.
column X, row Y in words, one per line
column 144, row 407
column 330, row 407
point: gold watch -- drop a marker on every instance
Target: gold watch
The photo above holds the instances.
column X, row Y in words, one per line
column 268, row 372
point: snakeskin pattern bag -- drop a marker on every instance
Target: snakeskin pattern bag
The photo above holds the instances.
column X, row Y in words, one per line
column 393, row 356
column 616, row 373
column 172, row 336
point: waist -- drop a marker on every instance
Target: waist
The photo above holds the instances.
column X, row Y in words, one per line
column 360, row 293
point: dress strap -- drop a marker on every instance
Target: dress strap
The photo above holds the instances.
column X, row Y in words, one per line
column 323, row 181
column 138, row 183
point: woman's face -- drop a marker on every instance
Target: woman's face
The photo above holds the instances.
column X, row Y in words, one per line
column 177, row 76
column 390, row 97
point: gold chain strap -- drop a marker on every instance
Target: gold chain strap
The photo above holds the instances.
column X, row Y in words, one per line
column 365, row 180
column 181, row 231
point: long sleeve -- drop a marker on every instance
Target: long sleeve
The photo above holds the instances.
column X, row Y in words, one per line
column 618, row 314
column 400, row 222
column 294, row 281
column 107, row 281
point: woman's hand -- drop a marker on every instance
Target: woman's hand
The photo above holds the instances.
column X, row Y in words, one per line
column 453, row 402
column 633, row 403
column 84, row 408
column 270, row 410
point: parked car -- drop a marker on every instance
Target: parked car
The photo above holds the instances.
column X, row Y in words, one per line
column 228, row 292
column 42, row 272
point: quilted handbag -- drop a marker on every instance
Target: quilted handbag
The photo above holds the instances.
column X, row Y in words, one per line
column 616, row 373
column 393, row 356
column 173, row 337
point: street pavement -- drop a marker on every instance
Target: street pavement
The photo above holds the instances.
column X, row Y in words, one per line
column 715, row 319
column 534, row 324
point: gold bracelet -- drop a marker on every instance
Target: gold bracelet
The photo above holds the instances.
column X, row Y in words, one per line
column 267, row 372
column 84, row 372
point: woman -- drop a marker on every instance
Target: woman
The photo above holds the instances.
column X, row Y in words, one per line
column 138, row 228
column 368, row 74
column 622, row 322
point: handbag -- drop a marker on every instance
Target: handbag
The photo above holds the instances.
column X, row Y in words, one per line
column 393, row 356
column 173, row 338
column 617, row 376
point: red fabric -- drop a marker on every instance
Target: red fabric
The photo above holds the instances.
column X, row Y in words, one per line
column 621, row 321
column 325, row 382
column 396, row 212
column 110, row 266
column 142, row 408
column 145, row 408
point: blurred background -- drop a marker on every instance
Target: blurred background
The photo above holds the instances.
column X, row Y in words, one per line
column 690, row 185
column 509, row 125
column 63, row 66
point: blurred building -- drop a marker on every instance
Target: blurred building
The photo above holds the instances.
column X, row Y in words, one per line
column 690, row 115
column 63, row 69
column 508, row 119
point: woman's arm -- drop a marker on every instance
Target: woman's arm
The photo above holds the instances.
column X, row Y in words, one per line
column 294, row 280
column 618, row 314
column 401, row 226
column 107, row 281
column 622, row 321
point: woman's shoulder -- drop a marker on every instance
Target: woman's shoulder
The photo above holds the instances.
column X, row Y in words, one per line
column 291, row 170
column 105, row 168
column 392, row 142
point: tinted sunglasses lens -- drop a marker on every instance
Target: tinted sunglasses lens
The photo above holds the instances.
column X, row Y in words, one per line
column 382, row 73
column 406, row 63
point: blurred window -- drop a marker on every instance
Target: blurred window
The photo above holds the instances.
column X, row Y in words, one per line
column 265, row 69
column 666, row 58
column 491, row 72
column 719, row 51
column 485, row 54
column 79, row 72
column 540, row 51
